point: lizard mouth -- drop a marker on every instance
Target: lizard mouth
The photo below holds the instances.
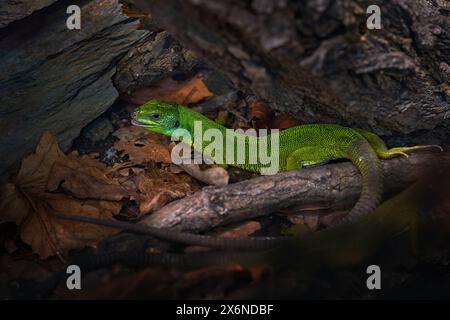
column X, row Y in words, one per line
column 137, row 123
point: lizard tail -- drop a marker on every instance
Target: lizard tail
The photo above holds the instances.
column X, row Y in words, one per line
column 365, row 159
column 235, row 243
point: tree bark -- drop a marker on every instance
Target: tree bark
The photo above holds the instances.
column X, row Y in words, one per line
column 317, row 60
column 336, row 185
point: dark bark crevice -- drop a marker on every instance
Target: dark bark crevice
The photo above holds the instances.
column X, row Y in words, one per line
column 316, row 60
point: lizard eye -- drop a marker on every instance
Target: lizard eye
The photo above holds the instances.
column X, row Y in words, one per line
column 154, row 116
column 177, row 124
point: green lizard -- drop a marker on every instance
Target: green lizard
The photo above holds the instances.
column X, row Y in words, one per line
column 300, row 146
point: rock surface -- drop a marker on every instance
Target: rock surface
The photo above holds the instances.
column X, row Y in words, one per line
column 55, row 79
column 158, row 57
column 12, row 10
column 317, row 60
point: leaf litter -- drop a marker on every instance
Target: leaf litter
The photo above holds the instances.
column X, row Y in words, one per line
column 51, row 182
column 185, row 92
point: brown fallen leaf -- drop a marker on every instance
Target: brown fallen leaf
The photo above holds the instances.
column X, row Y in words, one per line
column 261, row 113
column 28, row 202
column 158, row 187
column 13, row 204
column 243, row 229
column 284, row 121
column 141, row 145
column 83, row 185
column 31, row 180
column 240, row 230
column 185, row 92
column 49, row 235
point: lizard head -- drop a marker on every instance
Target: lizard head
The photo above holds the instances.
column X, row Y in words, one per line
column 157, row 116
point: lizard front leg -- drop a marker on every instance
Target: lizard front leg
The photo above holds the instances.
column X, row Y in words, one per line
column 307, row 157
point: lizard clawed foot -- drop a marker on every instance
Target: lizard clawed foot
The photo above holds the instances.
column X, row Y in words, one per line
column 402, row 151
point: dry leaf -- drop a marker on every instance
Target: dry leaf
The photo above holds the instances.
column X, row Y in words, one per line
column 185, row 92
column 35, row 168
column 28, row 202
column 51, row 182
column 13, row 205
column 241, row 230
column 263, row 115
column 260, row 112
column 159, row 187
column 141, row 145
column 153, row 189
column 284, row 121
column 31, row 180
column 83, row 185
column 49, row 235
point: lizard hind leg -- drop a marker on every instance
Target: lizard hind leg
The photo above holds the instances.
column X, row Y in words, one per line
column 403, row 151
column 383, row 152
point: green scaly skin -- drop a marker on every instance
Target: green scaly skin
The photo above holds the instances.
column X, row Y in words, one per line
column 300, row 146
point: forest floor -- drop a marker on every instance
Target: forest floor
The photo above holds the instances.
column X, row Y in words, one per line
column 116, row 169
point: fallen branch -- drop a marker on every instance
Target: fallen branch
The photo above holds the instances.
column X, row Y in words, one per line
column 335, row 185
